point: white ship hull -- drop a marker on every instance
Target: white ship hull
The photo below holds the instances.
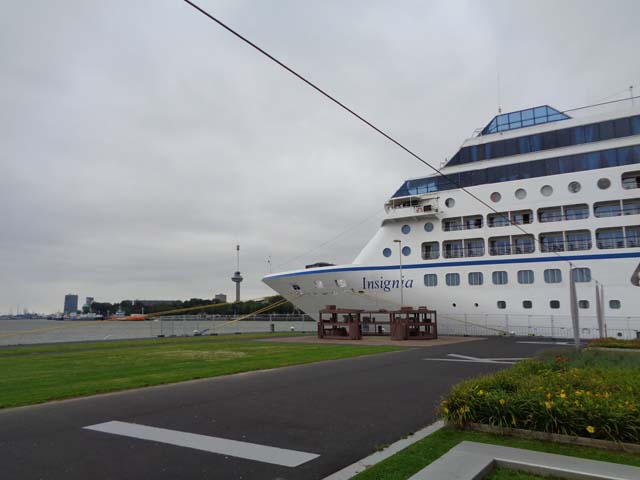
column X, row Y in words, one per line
column 604, row 243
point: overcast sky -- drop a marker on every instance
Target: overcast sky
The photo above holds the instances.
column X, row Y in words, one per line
column 140, row 141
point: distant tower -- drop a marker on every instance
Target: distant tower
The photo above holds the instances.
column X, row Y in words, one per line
column 237, row 278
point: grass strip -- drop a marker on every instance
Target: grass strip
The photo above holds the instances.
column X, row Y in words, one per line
column 615, row 343
column 508, row 474
column 417, row 456
column 40, row 374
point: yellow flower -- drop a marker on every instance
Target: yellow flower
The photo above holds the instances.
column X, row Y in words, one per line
column 446, row 410
column 548, row 405
column 563, row 395
column 578, row 392
column 502, row 402
column 548, row 396
column 466, row 409
column 590, row 429
column 480, row 392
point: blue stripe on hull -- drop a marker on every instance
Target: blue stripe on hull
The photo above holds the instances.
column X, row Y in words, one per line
column 603, row 256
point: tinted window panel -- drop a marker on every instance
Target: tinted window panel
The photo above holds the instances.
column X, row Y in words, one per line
column 635, row 125
column 578, row 135
column 564, row 137
column 591, row 133
column 622, row 127
column 511, row 147
column 548, row 140
column 606, row 130
column 523, row 145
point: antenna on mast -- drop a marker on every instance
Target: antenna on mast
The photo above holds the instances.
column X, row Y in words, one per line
column 498, row 93
column 237, row 278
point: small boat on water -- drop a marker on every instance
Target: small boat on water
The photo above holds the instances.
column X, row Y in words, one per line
column 121, row 316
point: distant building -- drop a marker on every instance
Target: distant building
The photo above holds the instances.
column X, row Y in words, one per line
column 89, row 301
column 220, row 298
column 70, row 303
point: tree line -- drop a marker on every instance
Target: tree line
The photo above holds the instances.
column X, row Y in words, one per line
column 241, row 308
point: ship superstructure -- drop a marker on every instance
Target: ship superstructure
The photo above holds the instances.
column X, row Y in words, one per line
column 554, row 191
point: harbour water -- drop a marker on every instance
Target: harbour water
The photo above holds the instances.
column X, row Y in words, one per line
column 23, row 332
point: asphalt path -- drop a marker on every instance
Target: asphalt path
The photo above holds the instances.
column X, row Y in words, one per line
column 341, row 410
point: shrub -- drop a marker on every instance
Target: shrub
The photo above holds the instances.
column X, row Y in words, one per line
column 615, row 343
column 592, row 394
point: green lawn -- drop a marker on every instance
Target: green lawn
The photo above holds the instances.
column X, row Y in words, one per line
column 508, row 474
column 38, row 374
column 417, row 456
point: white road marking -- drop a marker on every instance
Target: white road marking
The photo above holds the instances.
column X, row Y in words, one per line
column 548, row 343
column 466, row 358
column 223, row 446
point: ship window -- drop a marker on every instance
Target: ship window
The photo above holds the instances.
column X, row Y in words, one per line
column 631, row 206
column 431, row 280
column 450, row 202
column 607, row 209
column 609, row 238
column 474, row 247
column 406, row 229
column 523, row 217
column 452, row 224
column 552, row 214
column 453, row 279
column 473, row 222
column 428, row 227
column 341, row 283
column 614, row 304
column 604, row 183
column 576, row 212
column 500, row 246
column 546, row 190
column 406, row 251
column 574, row 187
column 632, row 236
column 630, row 180
column 502, row 304
column 622, row 127
column 498, row 219
column 495, row 197
column 554, row 304
column 386, row 252
column 525, row 277
column 552, row 242
column 430, row 250
column 583, row 303
column 527, row 304
column 318, row 283
column 500, row 277
column 475, row 278
column 578, row 240
column 581, row 274
column 296, row 288
column 523, row 244
column 521, row 194
column 452, row 249
column 552, row 275
column 635, row 125
column 606, row 130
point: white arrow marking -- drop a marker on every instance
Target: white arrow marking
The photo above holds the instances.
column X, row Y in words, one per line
column 223, row 446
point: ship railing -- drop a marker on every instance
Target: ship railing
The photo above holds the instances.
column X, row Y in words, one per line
column 554, row 326
column 564, row 245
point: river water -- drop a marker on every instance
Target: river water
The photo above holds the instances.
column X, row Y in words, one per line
column 22, row 332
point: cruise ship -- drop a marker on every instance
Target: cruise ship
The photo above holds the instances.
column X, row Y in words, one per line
column 536, row 197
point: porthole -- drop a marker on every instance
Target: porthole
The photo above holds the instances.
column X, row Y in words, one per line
column 495, row 197
column 386, row 252
column 583, row 304
column 406, row 251
column 604, row 183
column 450, row 202
column 527, row 304
column 453, row 305
column 502, row 304
column 475, row 304
column 546, row 190
column 619, row 334
column 406, row 229
column 614, row 304
column 428, row 227
column 555, row 304
column 521, row 194
column 574, row 187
